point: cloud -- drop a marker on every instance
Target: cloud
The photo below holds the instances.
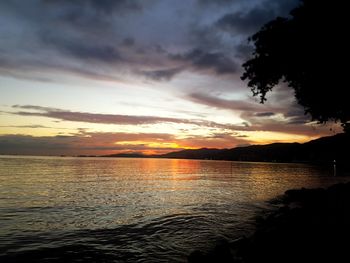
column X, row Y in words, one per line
column 215, row 2
column 128, row 41
column 34, row 126
column 105, row 39
column 280, row 102
column 195, row 43
column 249, row 21
column 110, row 6
column 106, row 53
column 27, row 69
column 161, row 75
column 106, row 7
column 256, row 117
column 219, row 103
column 246, row 23
column 51, row 36
column 287, row 117
column 74, row 36
column 264, row 114
column 117, row 119
column 250, row 115
column 66, row 115
column 204, row 60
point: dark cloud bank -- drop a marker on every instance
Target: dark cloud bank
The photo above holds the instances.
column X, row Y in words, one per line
column 99, row 38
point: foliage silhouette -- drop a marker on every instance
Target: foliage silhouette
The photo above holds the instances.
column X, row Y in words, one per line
column 307, row 51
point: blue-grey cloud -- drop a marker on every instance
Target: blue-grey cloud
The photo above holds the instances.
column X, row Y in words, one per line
column 105, row 6
column 204, row 60
column 249, row 21
column 121, row 36
column 162, row 74
column 215, row 2
column 128, row 41
column 70, row 46
column 245, row 23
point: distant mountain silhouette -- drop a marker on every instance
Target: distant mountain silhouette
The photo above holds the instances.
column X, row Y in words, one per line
column 203, row 153
column 127, row 155
column 321, row 150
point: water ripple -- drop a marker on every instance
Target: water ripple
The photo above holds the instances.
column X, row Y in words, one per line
column 133, row 210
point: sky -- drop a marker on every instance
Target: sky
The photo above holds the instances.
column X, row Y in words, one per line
column 150, row 76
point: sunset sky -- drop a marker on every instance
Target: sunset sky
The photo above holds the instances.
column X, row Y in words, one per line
column 150, row 76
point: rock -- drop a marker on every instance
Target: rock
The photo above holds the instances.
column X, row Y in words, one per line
column 317, row 229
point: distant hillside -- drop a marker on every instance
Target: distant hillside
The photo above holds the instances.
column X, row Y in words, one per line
column 324, row 149
column 126, row 155
column 203, row 153
column 270, row 152
column 335, row 147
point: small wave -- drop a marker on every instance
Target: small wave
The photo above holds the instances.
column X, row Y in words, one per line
column 167, row 238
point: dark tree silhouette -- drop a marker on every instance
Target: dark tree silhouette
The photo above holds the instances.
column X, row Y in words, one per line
column 309, row 51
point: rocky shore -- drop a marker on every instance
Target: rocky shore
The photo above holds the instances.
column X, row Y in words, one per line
column 310, row 225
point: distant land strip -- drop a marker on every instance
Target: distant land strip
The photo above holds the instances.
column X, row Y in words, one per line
column 323, row 150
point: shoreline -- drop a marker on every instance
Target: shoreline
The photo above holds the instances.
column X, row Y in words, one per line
column 310, row 225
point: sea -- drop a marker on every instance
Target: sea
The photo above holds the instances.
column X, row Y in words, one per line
column 71, row 209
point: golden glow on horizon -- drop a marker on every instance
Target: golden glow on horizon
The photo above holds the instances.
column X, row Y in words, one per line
column 266, row 137
column 155, row 144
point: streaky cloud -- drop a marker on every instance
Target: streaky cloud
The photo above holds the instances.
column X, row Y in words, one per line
column 117, row 119
column 286, row 118
column 216, row 102
column 33, row 126
column 66, row 115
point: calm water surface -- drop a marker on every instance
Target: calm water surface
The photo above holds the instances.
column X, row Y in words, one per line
column 55, row 209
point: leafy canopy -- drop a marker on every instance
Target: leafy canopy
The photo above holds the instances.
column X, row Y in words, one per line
column 309, row 51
